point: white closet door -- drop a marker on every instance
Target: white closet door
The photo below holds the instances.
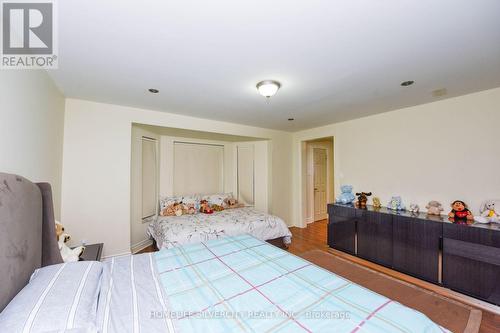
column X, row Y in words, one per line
column 198, row 168
column 246, row 181
column 149, row 186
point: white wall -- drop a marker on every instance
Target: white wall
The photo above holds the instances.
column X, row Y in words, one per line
column 445, row 150
column 96, row 167
column 31, row 128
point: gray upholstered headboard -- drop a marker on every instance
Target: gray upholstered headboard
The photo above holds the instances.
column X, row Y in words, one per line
column 27, row 233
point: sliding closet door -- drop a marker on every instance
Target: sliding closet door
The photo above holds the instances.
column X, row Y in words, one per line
column 149, row 173
column 246, row 174
column 198, row 168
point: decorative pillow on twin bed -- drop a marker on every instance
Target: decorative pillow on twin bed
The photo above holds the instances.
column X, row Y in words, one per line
column 58, row 298
column 192, row 199
column 217, row 199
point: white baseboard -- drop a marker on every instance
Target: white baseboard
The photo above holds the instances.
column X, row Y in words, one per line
column 141, row 245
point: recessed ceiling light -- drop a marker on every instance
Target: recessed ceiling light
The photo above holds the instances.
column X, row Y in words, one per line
column 407, row 83
column 268, row 88
column 153, row 91
column 291, row 119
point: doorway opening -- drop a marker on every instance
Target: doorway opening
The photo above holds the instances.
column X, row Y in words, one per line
column 317, row 162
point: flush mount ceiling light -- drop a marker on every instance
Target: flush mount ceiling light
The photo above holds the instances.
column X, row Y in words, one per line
column 153, row 91
column 268, row 88
column 407, row 83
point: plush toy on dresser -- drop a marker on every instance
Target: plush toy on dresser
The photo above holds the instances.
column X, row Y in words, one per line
column 376, row 203
column 487, row 213
column 434, row 208
column 414, row 209
column 396, row 204
column 362, row 199
column 460, row 211
column 346, row 197
column 67, row 254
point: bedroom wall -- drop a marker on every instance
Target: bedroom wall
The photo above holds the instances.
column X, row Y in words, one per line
column 96, row 167
column 445, row 150
column 31, row 128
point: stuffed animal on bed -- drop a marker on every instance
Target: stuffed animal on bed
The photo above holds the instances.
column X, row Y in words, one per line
column 232, row 203
column 217, row 208
column 205, row 207
column 67, row 254
column 175, row 209
column 487, row 212
column 189, row 209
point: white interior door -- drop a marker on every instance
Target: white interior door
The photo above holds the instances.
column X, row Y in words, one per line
column 320, row 183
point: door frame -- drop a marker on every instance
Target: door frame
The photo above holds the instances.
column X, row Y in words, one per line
column 309, row 174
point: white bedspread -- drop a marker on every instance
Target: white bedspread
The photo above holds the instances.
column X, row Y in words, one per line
column 172, row 231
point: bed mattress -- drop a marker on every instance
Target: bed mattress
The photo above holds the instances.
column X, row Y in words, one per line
column 241, row 284
column 172, row 231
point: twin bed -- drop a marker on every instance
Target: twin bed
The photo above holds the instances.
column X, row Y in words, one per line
column 172, row 231
column 227, row 284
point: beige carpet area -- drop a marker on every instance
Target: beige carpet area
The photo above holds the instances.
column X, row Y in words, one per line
column 454, row 316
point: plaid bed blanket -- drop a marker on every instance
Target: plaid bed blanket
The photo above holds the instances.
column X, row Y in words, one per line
column 242, row 284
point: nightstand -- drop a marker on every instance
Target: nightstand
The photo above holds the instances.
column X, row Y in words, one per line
column 92, row 252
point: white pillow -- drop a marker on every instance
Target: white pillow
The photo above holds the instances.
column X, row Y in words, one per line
column 185, row 199
column 217, row 199
column 60, row 297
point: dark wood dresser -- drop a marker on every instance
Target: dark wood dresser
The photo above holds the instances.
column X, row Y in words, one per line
column 462, row 257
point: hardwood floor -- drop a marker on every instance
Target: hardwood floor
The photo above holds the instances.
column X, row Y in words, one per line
column 314, row 238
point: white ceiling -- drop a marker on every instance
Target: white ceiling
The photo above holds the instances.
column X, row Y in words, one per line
column 336, row 60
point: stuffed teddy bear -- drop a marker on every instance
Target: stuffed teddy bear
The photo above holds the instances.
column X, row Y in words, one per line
column 67, row 254
column 460, row 211
column 205, row 207
column 362, row 199
column 434, row 208
column 217, row 208
column 231, row 202
column 189, row 209
column 414, row 208
column 396, row 204
column 376, row 202
column 346, row 197
column 175, row 209
column 487, row 213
